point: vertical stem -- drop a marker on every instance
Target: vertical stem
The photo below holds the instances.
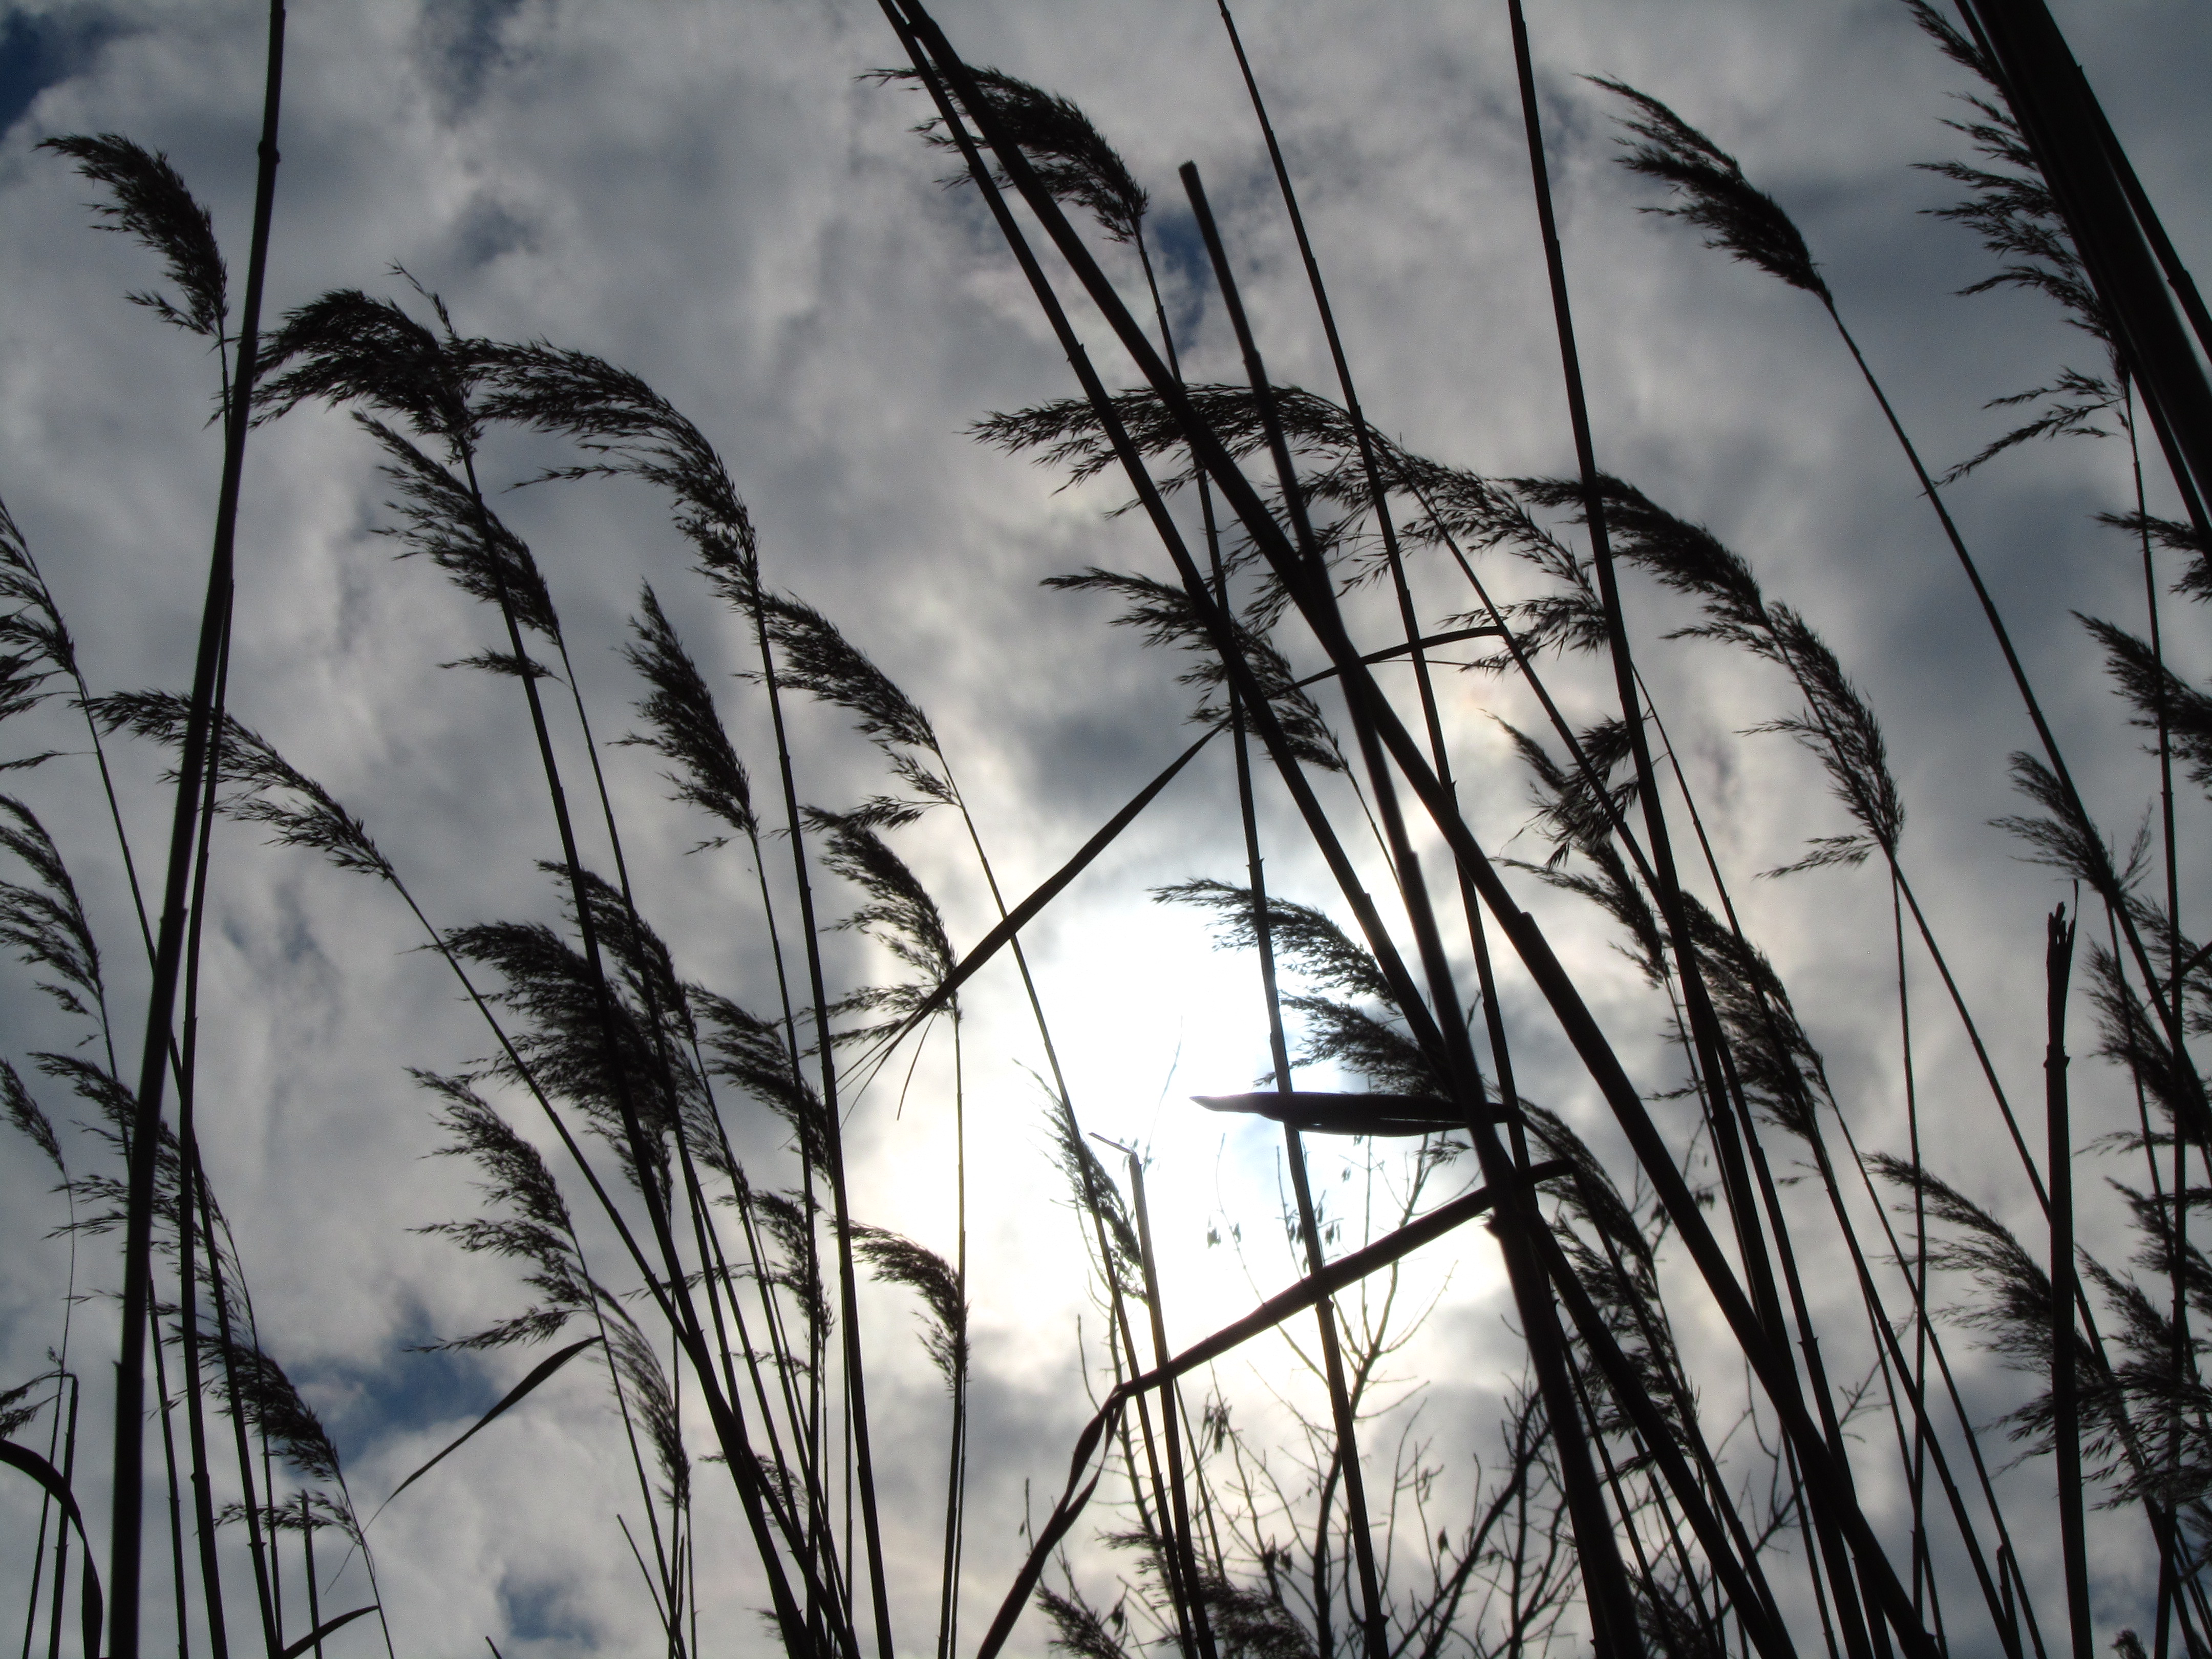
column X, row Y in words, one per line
column 249, row 1501
column 62, row 1534
column 1922, row 1569
column 176, row 1502
column 128, row 1461
column 308, row 1554
column 957, row 1455
column 1179, row 1538
column 2066, row 1422
column 834, row 1146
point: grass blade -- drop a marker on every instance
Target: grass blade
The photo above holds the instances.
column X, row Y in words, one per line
column 544, row 1369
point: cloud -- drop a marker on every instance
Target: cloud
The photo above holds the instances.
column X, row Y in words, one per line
column 707, row 195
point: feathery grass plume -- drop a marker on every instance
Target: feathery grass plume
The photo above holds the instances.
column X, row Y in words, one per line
column 2130, row 1035
column 33, row 641
column 2067, row 841
column 538, row 1231
column 2014, row 1312
column 14, row 1414
column 1166, row 616
column 153, row 205
column 2150, row 688
column 551, row 985
column 2157, row 1377
column 25, row 1114
column 258, row 778
column 46, row 923
column 654, row 1404
column 784, row 1217
column 898, row 914
column 441, row 521
column 1782, row 1074
column 348, row 348
column 610, row 411
column 2010, row 207
column 33, row 633
column 814, row 657
column 1095, row 1194
column 256, row 1388
column 1080, row 1629
column 1071, row 157
column 1455, row 504
column 898, row 1261
column 1578, row 810
column 1253, row 1623
column 570, row 1051
column 1574, row 820
column 2175, row 537
column 751, row 1052
column 1336, row 1031
column 103, row 1199
column 1614, row 1247
column 1717, row 198
column 686, row 728
column 1837, row 725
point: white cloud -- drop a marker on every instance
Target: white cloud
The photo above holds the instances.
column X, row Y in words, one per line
column 707, row 195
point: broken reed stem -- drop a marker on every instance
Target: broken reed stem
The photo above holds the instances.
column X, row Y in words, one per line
column 2066, row 1423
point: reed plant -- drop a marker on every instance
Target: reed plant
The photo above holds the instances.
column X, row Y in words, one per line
column 1705, row 1447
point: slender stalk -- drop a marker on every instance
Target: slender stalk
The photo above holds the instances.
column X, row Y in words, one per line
column 124, row 1553
column 833, row 1140
column 176, row 1497
column 956, row 1453
column 2066, row 1421
column 307, row 1554
column 249, row 1501
column 62, row 1534
column 1178, row 1540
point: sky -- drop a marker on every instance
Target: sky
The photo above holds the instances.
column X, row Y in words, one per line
column 717, row 197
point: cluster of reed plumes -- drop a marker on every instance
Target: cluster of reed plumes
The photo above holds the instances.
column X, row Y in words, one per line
column 1628, row 1507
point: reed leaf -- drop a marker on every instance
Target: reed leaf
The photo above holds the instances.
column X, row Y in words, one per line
column 539, row 1373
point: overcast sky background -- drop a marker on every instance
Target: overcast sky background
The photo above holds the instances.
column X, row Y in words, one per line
column 707, row 195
